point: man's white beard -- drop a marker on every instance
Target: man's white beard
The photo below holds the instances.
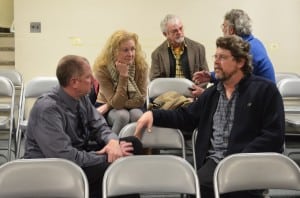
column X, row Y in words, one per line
column 179, row 40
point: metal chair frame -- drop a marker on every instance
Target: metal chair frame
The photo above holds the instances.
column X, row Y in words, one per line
column 33, row 89
column 7, row 92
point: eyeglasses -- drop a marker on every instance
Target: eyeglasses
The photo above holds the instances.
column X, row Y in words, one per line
column 221, row 57
column 224, row 25
column 175, row 31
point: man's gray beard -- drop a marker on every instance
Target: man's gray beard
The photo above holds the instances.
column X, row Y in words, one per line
column 180, row 40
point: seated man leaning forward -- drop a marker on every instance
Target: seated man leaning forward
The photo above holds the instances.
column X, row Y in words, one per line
column 63, row 123
column 242, row 113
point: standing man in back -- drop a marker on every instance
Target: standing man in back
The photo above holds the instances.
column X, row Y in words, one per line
column 178, row 56
column 237, row 22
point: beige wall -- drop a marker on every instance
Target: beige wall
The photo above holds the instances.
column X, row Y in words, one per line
column 82, row 27
column 6, row 13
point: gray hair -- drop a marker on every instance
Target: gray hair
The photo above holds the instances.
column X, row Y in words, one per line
column 169, row 18
column 240, row 21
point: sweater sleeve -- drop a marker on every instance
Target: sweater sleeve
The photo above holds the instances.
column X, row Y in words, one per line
column 46, row 129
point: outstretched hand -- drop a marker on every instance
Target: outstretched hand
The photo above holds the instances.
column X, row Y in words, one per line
column 145, row 121
column 201, row 77
column 197, row 91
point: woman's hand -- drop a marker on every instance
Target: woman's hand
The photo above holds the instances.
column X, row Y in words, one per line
column 122, row 68
column 103, row 109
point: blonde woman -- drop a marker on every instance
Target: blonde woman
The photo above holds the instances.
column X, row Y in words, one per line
column 122, row 71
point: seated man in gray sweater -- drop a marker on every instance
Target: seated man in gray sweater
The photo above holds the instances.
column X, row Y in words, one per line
column 63, row 123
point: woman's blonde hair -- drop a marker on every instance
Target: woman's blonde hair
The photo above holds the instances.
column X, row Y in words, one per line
column 110, row 51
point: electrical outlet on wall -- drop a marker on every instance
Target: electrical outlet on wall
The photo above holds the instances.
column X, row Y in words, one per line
column 35, row 27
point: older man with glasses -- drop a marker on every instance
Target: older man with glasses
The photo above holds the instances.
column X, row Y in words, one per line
column 178, row 56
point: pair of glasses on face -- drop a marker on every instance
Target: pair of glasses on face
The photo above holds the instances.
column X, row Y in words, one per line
column 225, row 26
column 222, row 26
column 175, row 31
column 221, row 57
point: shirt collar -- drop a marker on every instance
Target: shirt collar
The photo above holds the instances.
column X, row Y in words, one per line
column 68, row 100
column 221, row 89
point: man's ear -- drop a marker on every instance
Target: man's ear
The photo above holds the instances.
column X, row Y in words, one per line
column 241, row 62
column 231, row 30
column 73, row 82
column 165, row 34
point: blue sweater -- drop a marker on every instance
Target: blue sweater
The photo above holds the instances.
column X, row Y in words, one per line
column 258, row 124
column 262, row 65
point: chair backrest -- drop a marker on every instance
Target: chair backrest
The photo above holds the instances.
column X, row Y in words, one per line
column 13, row 75
column 17, row 80
column 251, row 171
column 47, row 177
column 289, row 87
column 39, row 85
column 7, row 96
column 161, row 85
column 150, row 174
column 283, row 75
column 7, row 89
column 290, row 92
column 159, row 138
column 33, row 89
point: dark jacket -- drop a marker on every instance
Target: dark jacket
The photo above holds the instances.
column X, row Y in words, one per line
column 258, row 122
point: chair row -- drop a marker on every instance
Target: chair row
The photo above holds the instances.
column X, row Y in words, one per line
column 156, row 87
column 249, row 171
column 14, row 97
column 288, row 85
column 147, row 174
column 167, row 174
column 40, row 85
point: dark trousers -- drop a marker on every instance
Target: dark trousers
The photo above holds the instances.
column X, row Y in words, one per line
column 95, row 173
column 205, row 175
